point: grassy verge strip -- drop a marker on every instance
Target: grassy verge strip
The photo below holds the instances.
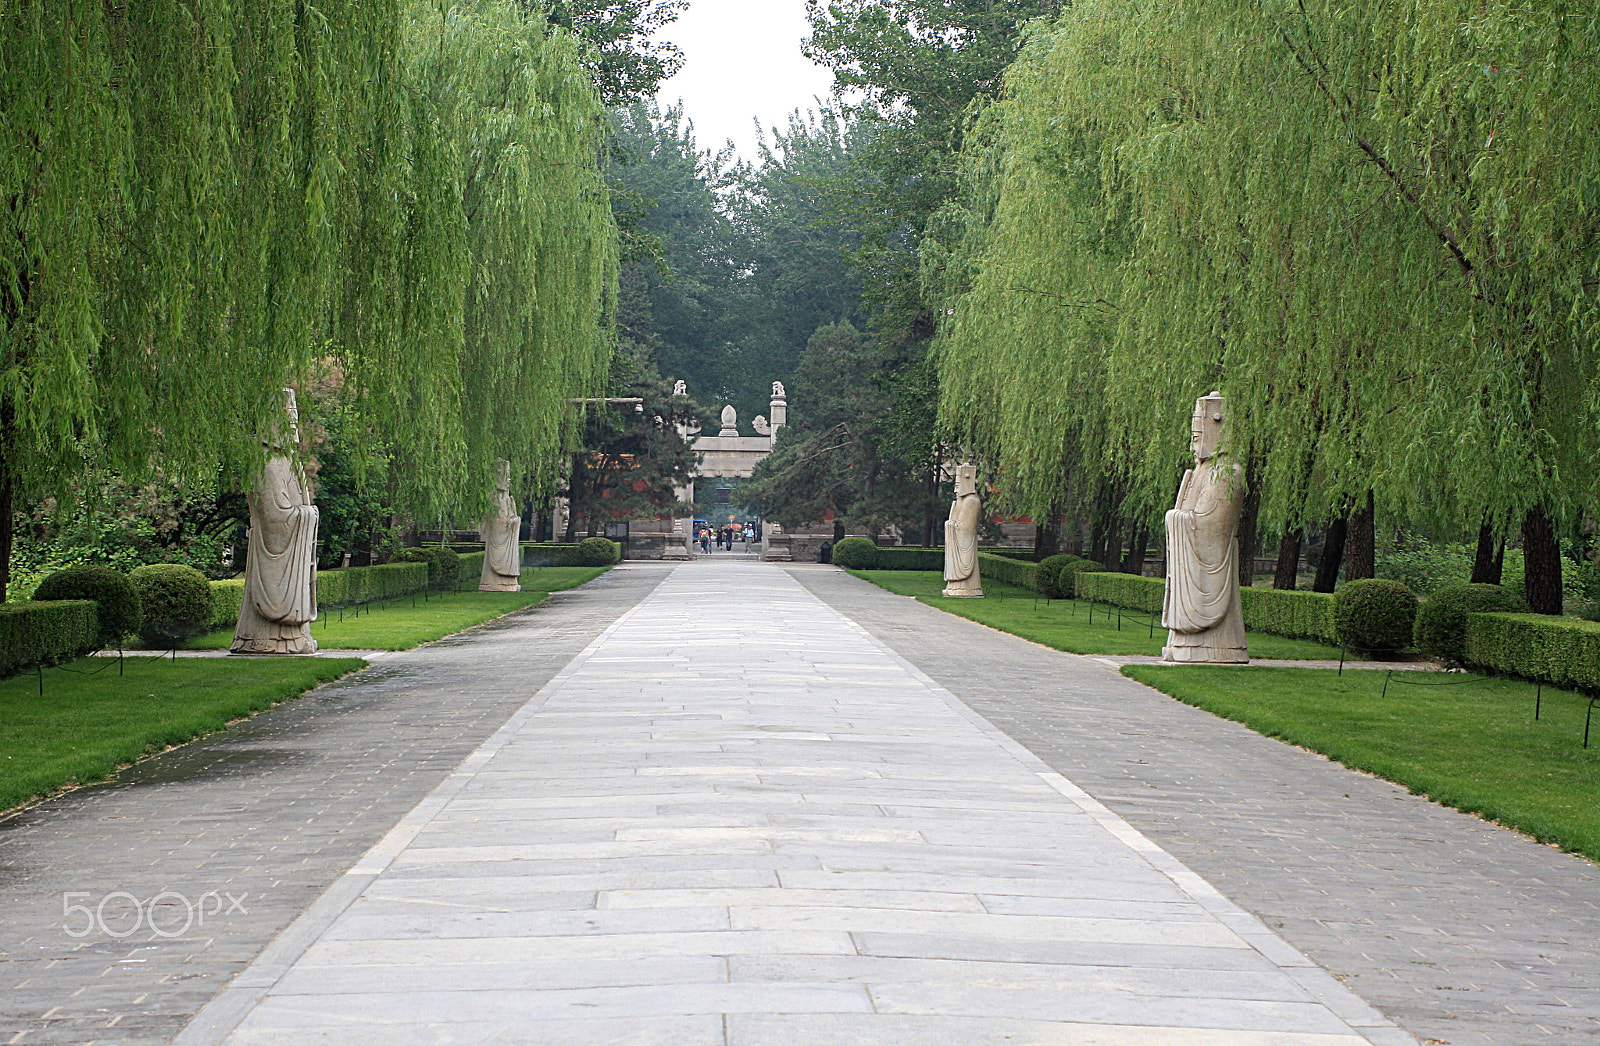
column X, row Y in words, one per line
column 1473, row 745
column 93, row 719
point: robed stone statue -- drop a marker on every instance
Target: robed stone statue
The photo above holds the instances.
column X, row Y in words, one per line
column 502, row 553
column 1202, row 614
column 961, row 537
column 280, row 570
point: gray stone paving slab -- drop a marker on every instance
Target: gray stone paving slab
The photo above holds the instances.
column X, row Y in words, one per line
column 672, row 712
column 1463, row 932
column 270, row 811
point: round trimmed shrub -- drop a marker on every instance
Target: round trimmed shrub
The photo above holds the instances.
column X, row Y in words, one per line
column 1374, row 615
column 443, row 562
column 1067, row 576
column 1441, row 628
column 116, row 602
column 855, row 554
column 174, row 601
column 596, row 552
column 1049, row 575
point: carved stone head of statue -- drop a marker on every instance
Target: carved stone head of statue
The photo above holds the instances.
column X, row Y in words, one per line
column 502, row 475
column 680, row 388
column 777, row 391
column 966, row 480
column 1205, row 428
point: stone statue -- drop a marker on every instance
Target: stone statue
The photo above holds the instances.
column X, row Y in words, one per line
column 761, row 426
column 280, row 571
column 680, row 388
column 777, row 391
column 502, row 553
column 961, row 537
column 1202, row 613
column 730, row 421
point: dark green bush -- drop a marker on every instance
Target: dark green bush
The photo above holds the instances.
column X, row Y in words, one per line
column 1284, row 612
column 1374, row 615
column 355, row 585
column 1441, row 627
column 175, row 603
column 1068, row 574
column 444, row 565
column 1131, row 591
column 856, row 554
column 597, row 552
column 1050, row 575
column 116, row 602
column 46, row 633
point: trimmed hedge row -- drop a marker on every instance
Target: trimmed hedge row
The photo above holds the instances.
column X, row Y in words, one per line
column 227, row 599
column 907, row 557
column 562, row 554
column 44, row 632
column 1131, row 591
column 343, row 588
column 469, row 568
column 1558, row 650
column 1297, row 615
column 1022, row 573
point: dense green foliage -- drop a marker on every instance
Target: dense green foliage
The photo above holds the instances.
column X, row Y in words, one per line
column 89, row 723
column 45, row 633
column 227, row 599
column 898, row 557
column 1372, row 226
column 1475, row 747
column 444, row 564
column 856, row 554
column 1441, row 626
column 1018, row 572
column 209, row 202
column 116, row 603
column 1050, row 576
column 1144, row 594
column 1374, row 615
column 175, row 602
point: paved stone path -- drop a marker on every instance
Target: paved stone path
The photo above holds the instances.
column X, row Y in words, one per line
column 268, row 812
column 738, row 819
column 1462, row 932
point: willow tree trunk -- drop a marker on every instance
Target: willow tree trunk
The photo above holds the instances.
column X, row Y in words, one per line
column 1047, row 535
column 1361, row 548
column 1111, row 554
column 1249, row 539
column 1138, row 550
column 1541, row 559
column 1287, row 574
column 1490, row 559
column 1332, row 556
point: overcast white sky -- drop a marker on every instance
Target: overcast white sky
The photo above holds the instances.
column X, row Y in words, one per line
column 741, row 60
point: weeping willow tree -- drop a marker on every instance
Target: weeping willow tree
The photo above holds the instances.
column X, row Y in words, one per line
column 1371, row 225
column 205, row 200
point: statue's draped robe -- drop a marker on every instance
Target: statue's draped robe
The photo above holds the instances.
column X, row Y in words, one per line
column 502, row 556
column 961, row 548
column 280, row 580
column 1202, row 613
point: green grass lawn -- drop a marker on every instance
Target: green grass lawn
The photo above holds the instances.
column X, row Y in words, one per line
column 397, row 624
column 86, row 725
column 1063, row 624
column 1475, row 746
